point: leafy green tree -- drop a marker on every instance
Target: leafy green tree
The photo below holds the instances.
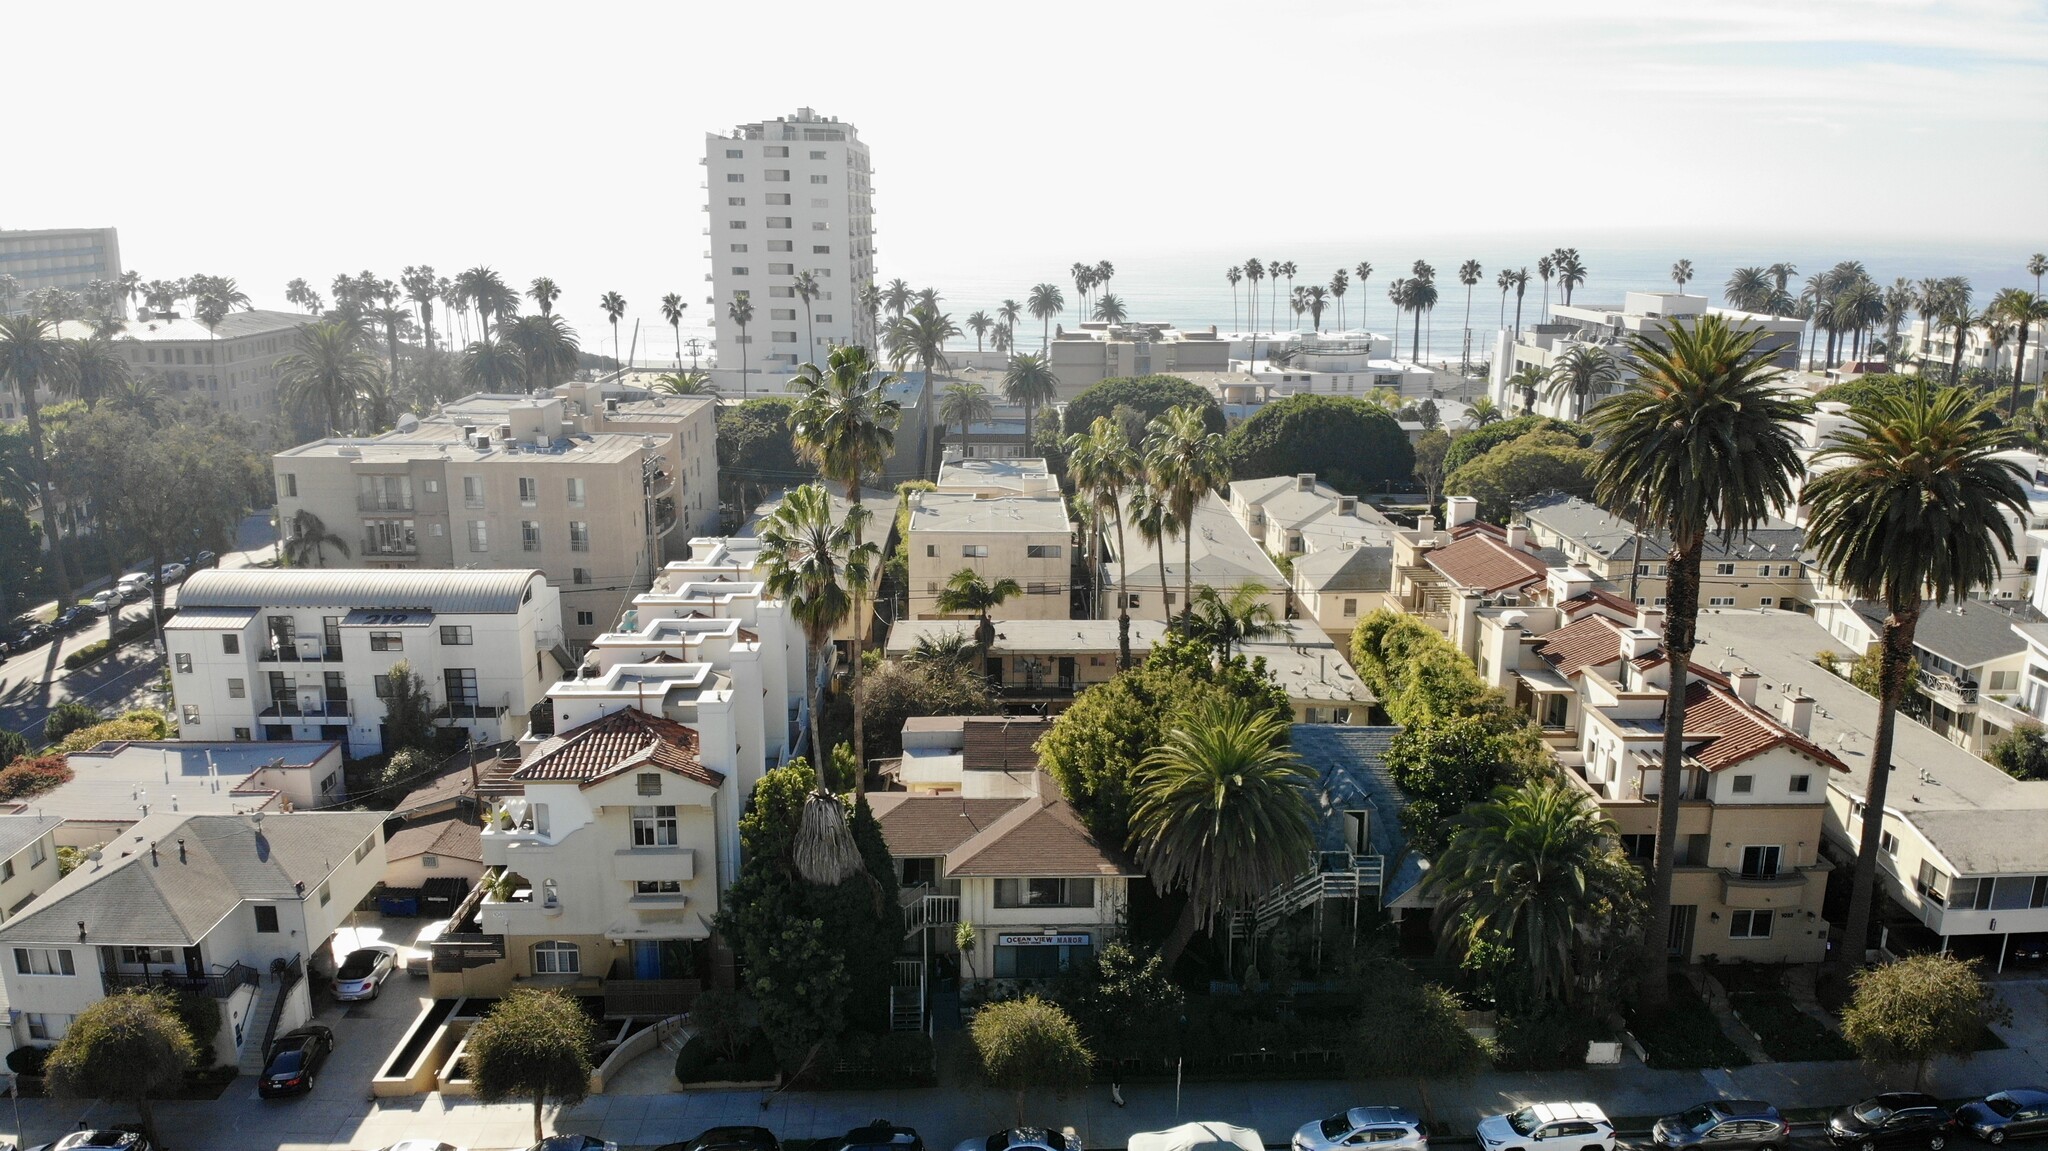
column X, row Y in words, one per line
column 1913, row 1009
column 757, row 432
column 534, row 1045
column 1417, row 675
column 1916, row 501
column 1430, row 449
column 1477, row 442
column 68, row 716
column 123, row 1049
column 1222, row 812
column 899, row 689
column 32, row 357
column 1125, row 1002
column 1347, row 442
column 1030, row 1043
column 408, row 709
column 12, row 747
column 1504, row 478
column 1149, row 396
column 1433, row 1044
column 1866, row 390
column 1450, row 763
column 2022, row 752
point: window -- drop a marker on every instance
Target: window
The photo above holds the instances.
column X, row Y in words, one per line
column 230, row 644
column 1800, row 784
column 579, row 575
column 460, row 684
column 1750, row 924
column 41, row 1026
column 457, row 635
column 735, row 178
column 555, row 957
column 782, row 270
column 1760, row 862
column 529, row 536
column 242, row 735
column 6, row 870
column 1042, row 961
column 238, row 689
column 1639, row 848
column 184, row 663
column 387, row 641
column 479, row 536
column 430, row 861
column 742, row 270
column 657, row 887
column 575, row 485
column 1037, row 587
column 776, row 152
column 579, row 536
column 326, row 895
column 931, row 551
column 818, row 180
column 974, row 551
column 1042, row 551
column 291, row 484
column 1784, row 571
column 1887, row 843
column 1724, row 569
column 472, row 491
column 648, row 782
column 824, row 318
column 1721, row 601
column 776, row 175
column 1744, row 784
column 654, row 826
column 1763, row 569
column 734, row 153
column 782, row 245
column 1045, row 893
column 585, row 618
column 43, row 961
column 778, row 222
column 735, row 201
column 817, row 153
column 529, row 490
column 1767, row 601
column 140, row 955
column 778, row 199
column 36, row 855
column 821, row 249
column 190, row 713
column 737, row 249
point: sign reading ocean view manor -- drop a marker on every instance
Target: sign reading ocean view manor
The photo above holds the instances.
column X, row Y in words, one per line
column 1039, row 939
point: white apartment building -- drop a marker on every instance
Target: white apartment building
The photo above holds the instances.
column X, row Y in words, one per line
column 783, row 197
column 302, row 653
column 117, row 783
column 1939, row 349
column 28, row 860
column 67, row 258
column 1029, row 540
column 1216, row 550
column 1341, row 364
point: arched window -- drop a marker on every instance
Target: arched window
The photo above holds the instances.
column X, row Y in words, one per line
column 555, row 957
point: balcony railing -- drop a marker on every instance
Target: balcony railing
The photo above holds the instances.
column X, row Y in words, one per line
column 291, row 708
column 373, row 546
column 219, row 985
column 1952, row 687
column 469, row 709
column 294, row 654
column 383, row 502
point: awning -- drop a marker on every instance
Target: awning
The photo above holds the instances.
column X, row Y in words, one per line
column 1544, row 681
column 388, row 617
column 211, row 619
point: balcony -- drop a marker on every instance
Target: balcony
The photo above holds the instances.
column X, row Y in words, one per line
column 390, row 548
column 470, row 709
column 383, row 501
column 295, row 654
column 219, row 985
column 1743, row 890
column 295, row 709
column 1955, row 691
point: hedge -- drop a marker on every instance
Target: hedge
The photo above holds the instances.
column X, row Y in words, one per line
column 134, row 629
column 701, row 1062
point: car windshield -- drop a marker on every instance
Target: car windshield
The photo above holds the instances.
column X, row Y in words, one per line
column 1698, row 1119
column 1336, row 1126
column 358, row 964
column 2001, row 1105
column 288, row 1061
column 1523, row 1121
column 1870, row 1111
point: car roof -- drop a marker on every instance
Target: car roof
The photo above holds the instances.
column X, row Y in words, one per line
column 2025, row 1094
column 1547, row 1112
column 1360, row 1116
column 1898, row 1099
column 1739, row 1108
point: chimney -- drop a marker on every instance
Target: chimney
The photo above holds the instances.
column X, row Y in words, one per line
column 1460, row 510
column 1637, row 643
column 1518, row 536
column 1797, row 710
column 1744, row 681
column 1650, row 618
column 1425, row 525
column 1305, row 482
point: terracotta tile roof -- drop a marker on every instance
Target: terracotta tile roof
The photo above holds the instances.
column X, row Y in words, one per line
column 992, row 743
column 1576, row 646
column 1481, row 561
column 925, row 825
column 450, row 835
column 1048, row 842
column 625, row 739
column 1599, row 597
column 1722, row 731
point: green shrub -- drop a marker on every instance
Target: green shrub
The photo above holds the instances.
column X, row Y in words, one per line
column 1788, row 1034
column 701, row 1061
column 68, row 716
column 1147, row 397
column 113, row 730
column 1685, row 1035
column 201, row 1016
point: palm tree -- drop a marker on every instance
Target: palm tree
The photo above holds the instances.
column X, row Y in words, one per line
column 1104, row 272
column 1045, row 302
column 1570, row 273
column 1109, row 309
column 811, row 560
column 307, row 541
column 1001, row 339
column 327, row 371
column 94, row 368
column 1029, row 380
column 1525, row 869
column 1184, row 461
column 1364, row 270
column 422, row 291
column 1521, row 286
column 486, row 292
column 1681, row 274
column 967, row 593
column 979, row 323
column 672, row 309
column 1703, row 441
column 1152, row 515
column 1397, row 294
column 1340, row 283
column 496, row 367
column 1958, row 319
column 1917, row 503
column 1469, row 274
column 1221, row 812
column 1899, row 300
column 1254, row 271
column 741, row 312
column 1526, row 382
column 1084, row 279
column 548, row 347
column 1421, row 297
column 966, row 403
column 1234, row 275
column 1009, row 315
column 32, row 357
column 614, row 306
column 1315, row 298
column 921, row 335
column 896, row 297
column 1227, row 621
column 1104, row 466
column 686, row 384
column 1275, row 269
column 845, row 426
column 544, row 294
column 2037, row 266
column 1546, row 268
column 807, row 290
column 948, row 654
column 1484, row 411
column 1748, row 289
column 1505, row 281
column 1579, row 372
column 2021, row 308
column 1782, row 273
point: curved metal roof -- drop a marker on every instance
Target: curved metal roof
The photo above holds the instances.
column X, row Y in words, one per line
column 451, row 591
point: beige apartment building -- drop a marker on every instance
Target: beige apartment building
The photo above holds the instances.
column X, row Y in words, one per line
column 68, row 258
column 1098, row 351
column 233, row 367
column 1027, row 540
column 1761, row 569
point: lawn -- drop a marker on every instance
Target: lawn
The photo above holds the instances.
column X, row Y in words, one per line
column 1685, row 1035
column 1788, row 1034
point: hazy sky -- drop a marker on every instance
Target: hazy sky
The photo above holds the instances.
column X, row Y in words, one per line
column 270, row 140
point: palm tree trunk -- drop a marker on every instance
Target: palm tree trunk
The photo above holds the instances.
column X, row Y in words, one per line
column 860, row 631
column 1123, row 600
column 1895, row 659
column 1682, row 607
column 677, row 328
column 1187, row 569
column 1165, row 610
column 2019, row 361
column 1177, row 941
column 824, row 676
column 1415, row 347
column 46, row 493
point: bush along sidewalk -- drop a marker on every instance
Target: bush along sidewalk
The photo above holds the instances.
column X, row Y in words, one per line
column 92, row 652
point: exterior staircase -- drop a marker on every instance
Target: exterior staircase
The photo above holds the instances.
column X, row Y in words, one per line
column 254, row 1041
column 1365, row 873
column 906, row 996
column 676, row 1031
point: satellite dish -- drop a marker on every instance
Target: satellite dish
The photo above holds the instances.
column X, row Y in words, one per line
column 408, row 423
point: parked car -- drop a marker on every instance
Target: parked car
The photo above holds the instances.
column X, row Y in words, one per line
column 420, row 1145
column 363, row 972
column 1549, row 1127
column 106, row 601
column 1748, row 1124
column 1385, row 1128
column 2020, row 1113
column 728, row 1139
column 72, row 618
column 882, row 1135
column 1893, row 1119
column 294, row 1058
column 420, row 958
column 112, row 1139
column 1024, row 1139
column 171, row 573
column 32, row 637
column 133, row 586
column 574, row 1143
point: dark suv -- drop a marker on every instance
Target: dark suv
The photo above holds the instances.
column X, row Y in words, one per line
column 1747, row 1124
column 1893, row 1119
column 882, row 1135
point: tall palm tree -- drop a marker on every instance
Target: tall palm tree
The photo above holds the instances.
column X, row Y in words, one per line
column 94, row 368
column 685, row 384
column 1917, row 503
column 1104, row 467
column 1525, row 869
column 1029, row 380
column 1045, row 302
column 1010, row 314
column 307, row 540
column 811, row 560
column 1469, row 274
column 1002, row 338
column 1958, row 319
column 486, row 292
column 1184, row 460
column 1254, row 271
column 967, row 593
column 1364, row 271
column 1899, row 300
column 1234, row 275
column 807, row 289
column 1397, row 294
column 896, row 297
column 921, row 335
column 2037, row 266
column 493, row 367
column 1084, row 279
column 1748, row 289
column 548, row 347
column 327, row 370
column 1681, row 273
column 1340, row 283
column 32, row 357
column 845, row 426
column 1228, row 621
column 1521, row 286
column 1505, row 281
column 2021, row 309
column 1315, row 298
column 1570, row 273
column 1546, row 268
column 1421, row 297
column 1152, row 515
column 1274, row 271
column 979, row 323
column 544, row 293
column 614, row 306
column 966, row 403
column 1110, row 310
column 741, row 312
column 1704, row 441
column 1579, row 372
column 672, row 309
column 1221, row 812
column 422, row 290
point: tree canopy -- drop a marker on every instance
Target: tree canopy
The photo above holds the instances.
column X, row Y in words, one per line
column 758, row 450
column 1353, row 445
column 1863, row 391
column 534, row 1044
column 123, row 1049
column 1510, row 474
column 2022, row 752
column 1149, row 396
column 1029, row 1042
column 1479, row 441
column 1915, row 1008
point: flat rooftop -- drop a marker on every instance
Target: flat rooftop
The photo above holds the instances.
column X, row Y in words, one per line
column 959, row 512
column 122, row 782
column 445, row 440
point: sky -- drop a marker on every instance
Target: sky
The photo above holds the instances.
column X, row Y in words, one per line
column 266, row 141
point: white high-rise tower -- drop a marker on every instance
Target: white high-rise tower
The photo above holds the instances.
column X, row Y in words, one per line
column 787, row 196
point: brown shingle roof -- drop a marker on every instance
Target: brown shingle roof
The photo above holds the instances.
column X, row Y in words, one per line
column 924, row 825
column 1049, row 842
column 1481, row 561
column 449, row 835
column 624, row 739
column 1589, row 642
column 1002, row 744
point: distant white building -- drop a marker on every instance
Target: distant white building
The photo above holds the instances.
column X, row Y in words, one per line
column 1939, row 349
column 1341, row 364
column 1097, row 351
column 118, row 783
column 67, row 258
column 1216, row 552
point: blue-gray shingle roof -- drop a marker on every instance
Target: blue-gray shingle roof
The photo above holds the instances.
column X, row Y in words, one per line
column 1350, row 766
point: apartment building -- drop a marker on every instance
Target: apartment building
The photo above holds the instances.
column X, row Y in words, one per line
column 1346, row 364
column 1764, row 567
column 1216, row 551
column 1299, row 514
column 1938, row 349
column 302, row 654
column 205, row 904
column 1029, row 540
column 1444, row 576
column 1972, row 663
column 784, row 197
column 1749, row 883
column 233, row 367
column 1026, row 477
column 1541, row 346
column 28, row 860
column 1097, row 351
column 67, row 258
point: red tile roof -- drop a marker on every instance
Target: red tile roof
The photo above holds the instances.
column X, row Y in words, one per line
column 1722, row 731
column 1600, row 597
column 1480, row 561
column 1588, row 642
column 625, row 739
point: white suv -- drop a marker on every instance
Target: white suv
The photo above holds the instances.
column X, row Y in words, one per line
column 1548, row 1127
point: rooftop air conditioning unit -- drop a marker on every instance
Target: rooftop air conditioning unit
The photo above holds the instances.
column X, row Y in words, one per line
column 481, row 443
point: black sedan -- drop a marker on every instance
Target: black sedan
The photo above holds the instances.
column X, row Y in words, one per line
column 728, row 1139
column 2021, row 1113
column 72, row 618
column 1895, row 1119
column 294, row 1057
